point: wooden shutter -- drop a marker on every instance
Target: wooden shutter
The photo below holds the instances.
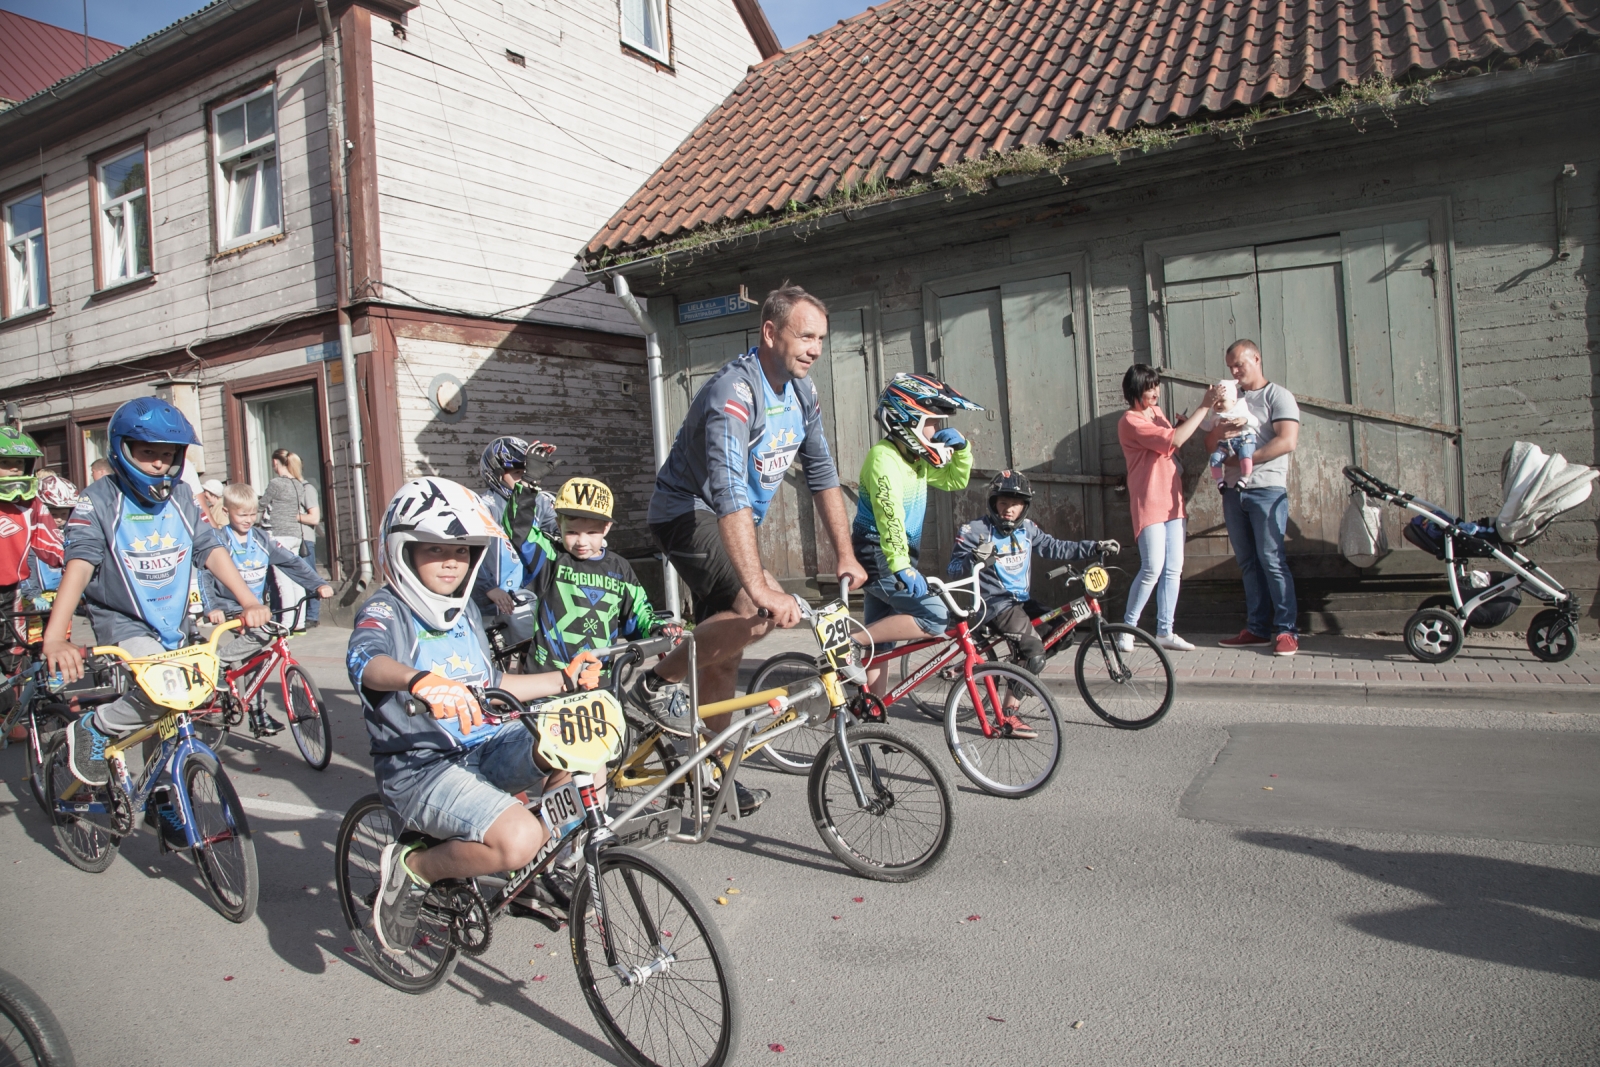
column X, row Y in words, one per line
column 1043, row 393
column 972, row 358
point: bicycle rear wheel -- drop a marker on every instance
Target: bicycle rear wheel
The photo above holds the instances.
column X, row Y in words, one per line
column 660, row 760
column 30, row 1036
column 367, row 828
column 902, row 832
column 308, row 718
column 1130, row 689
column 680, row 1005
column 90, row 846
column 928, row 697
column 794, row 752
column 225, row 855
column 48, row 727
column 1001, row 762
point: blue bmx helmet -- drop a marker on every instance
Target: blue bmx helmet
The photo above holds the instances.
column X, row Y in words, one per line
column 153, row 421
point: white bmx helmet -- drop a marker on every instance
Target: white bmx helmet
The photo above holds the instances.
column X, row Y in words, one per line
column 433, row 511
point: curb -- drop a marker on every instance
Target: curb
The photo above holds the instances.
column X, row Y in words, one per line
column 1383, row 694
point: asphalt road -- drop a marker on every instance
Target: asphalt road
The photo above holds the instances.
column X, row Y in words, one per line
column 1161, row 896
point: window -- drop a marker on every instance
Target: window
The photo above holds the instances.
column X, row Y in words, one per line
column 27, row 287
column 245, row 144
column 124, row 228
column 644, row 26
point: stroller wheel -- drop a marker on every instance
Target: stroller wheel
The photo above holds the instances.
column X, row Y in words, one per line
column 1433, row 635
column 1552, row 636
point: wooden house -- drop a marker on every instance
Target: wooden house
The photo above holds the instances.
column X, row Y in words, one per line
column 174, row 222
column 1027, row 196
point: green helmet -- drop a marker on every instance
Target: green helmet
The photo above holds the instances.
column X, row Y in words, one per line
column 15, row 445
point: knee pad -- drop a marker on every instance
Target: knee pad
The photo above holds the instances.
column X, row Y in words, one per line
column 1034, row 664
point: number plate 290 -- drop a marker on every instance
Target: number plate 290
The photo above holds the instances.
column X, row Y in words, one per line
column 833, row 631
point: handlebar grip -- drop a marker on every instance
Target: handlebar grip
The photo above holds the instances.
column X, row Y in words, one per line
column 513, row 703
column 415, row 706
column 656, row 646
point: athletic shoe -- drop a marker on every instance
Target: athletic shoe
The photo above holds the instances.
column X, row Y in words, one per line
column 265, row 725
column 666, row 704
column 1246, row 639
column 86, row 752
column 1020, row 730
column 394, row 913
column 158, row 815
column 750, row 800
column 1124, row 642
column 1285, row 645
column 1174, row 643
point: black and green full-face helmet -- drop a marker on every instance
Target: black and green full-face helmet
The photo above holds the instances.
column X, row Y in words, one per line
column 17, row 446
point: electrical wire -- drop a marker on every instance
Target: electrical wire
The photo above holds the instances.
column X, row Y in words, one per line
column 480, row 314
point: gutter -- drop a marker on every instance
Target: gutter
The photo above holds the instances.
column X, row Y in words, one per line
column 658, row 414
column 333, row 107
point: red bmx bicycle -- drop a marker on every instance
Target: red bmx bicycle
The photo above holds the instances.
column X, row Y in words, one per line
column 243, row 687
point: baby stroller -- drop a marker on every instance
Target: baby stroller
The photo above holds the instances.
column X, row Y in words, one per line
column 1535, row 489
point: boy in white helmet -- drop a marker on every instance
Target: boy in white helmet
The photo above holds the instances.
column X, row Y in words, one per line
column 445, row 774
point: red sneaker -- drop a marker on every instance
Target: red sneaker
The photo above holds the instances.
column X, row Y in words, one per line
column 1019, row 729
column 1245, row 640
column 1285, row 645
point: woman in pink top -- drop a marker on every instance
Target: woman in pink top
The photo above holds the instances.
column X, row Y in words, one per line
column 1155, row 497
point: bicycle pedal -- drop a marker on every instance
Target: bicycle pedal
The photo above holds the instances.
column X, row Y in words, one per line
column 523, row 910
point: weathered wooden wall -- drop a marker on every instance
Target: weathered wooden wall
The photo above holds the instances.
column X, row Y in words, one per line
column 1527, row 325
column 493, row 176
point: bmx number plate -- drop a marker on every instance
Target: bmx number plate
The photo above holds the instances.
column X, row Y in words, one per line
column 833, row 632
column 1081, row 609
column 563, row 809
column 580, row 731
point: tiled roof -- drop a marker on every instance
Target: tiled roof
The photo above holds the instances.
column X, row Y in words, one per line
column 37, row 55
column 915, row 85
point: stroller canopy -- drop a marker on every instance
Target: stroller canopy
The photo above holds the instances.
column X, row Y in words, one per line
column 1536, row 488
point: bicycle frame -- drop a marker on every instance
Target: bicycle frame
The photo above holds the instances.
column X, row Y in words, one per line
column 274, row 657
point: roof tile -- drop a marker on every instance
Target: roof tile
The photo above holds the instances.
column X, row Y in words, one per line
column 939, row 81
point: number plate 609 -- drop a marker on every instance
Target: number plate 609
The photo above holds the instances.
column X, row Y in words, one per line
column 580, row 732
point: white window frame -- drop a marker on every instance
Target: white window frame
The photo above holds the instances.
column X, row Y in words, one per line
column 255, row 154
column 658, row 10
column 20, row 280
column 127, row 253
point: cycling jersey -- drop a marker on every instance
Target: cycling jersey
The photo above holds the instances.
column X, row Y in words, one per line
column 144, row 559
column 502, row 567
column 887, row 531
column 255, row 556
column 1009, row 575
column 583, row 603
column 737, row 443
column 26, row 527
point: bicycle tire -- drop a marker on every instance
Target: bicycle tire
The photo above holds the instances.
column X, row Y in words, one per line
column 367, row 827
column 226, row 855
column 308, row 718
column 643, row 896
column 796, row 750
column 45, row 738
column 856, row 836
column 999, row 763
column 1129, row 690
column 88, row 846
column 32, row 1028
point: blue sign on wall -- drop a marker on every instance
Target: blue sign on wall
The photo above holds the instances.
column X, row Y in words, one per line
column 324, row 352
column 714, row 307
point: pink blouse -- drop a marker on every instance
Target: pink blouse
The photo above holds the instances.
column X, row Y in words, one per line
column 1155, row 492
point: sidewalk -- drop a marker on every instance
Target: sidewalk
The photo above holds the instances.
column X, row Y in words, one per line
column 1494, row 669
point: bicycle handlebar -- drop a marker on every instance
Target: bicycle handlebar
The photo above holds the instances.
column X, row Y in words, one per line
column 117, row 652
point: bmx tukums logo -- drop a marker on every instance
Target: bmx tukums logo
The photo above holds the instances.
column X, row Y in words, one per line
column 154, row 561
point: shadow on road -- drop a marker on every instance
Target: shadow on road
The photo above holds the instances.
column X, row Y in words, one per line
column 1500, row 911
column 490, row 985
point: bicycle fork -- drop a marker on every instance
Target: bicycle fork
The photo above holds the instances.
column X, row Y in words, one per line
column 601, row 835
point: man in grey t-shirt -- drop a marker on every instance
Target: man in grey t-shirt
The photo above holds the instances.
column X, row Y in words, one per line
column 1256, row 508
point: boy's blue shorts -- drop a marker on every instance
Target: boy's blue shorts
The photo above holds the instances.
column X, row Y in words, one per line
column 885, row 597
column 460, row 798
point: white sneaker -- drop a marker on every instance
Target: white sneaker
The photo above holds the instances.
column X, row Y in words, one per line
column 1124, row 642
column 1174, row 643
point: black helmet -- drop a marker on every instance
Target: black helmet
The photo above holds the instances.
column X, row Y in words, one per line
column 1009, row 483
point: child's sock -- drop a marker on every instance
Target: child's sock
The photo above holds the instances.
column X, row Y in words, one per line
column 1217, row 472
column 1246, row 465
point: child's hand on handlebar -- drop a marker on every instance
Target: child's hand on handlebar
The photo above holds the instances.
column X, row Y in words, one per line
column 1110, row 548
column 255, row 615
column 914, row 582
column 65, row 658
column 582, row 673
column 215, row 616
column 445, row 698
column 324, row 592
column 502, row 601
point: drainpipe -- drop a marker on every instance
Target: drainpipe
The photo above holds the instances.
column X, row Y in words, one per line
column 658, row 414
column 333, row 98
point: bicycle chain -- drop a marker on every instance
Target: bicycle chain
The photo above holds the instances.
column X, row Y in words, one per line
column 469, row 922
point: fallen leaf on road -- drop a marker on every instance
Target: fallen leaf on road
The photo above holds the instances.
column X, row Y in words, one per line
column 775, row 1047
column 722, row 900
column 996, row 1019
column 859, row 900
column 1078, row 1025
column 733, row 891
column 1268, row 788
column 355, row 1041
column 227, row 978
column 973, row 918
column 836, row 918
column 1088, row 868
column 666, row 933
column 350, row 948
column 538, row 978
column 263, row 794
column 1272, row 776
column 539, row 945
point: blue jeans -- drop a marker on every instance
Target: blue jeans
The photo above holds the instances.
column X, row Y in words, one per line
column 1161, row 570
column 1257, row 519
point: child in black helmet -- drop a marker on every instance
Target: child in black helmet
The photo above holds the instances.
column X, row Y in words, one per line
column 1006, row 583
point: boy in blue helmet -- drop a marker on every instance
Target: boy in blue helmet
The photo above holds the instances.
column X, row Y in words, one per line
column 133, row 541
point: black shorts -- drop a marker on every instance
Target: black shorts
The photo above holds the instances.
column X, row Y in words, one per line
column 693, row 544
column 1013, row 624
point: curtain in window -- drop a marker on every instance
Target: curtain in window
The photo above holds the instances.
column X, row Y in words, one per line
column 25, row 260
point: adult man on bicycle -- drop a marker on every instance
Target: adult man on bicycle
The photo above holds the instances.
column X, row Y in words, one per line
column 745, row 428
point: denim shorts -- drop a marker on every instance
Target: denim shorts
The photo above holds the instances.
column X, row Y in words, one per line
column 885, row 597
column 460, row 798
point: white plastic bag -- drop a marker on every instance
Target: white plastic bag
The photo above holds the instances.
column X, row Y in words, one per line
column 1361, row 536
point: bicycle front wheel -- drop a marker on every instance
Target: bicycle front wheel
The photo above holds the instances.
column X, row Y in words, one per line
column 794, row 752
column 678, row 1003
column 1021, row 751
column 90, row 846
column 367, row 828
column 225, row 855
column 308, row 718
column 1124, row 676
column 30, row 1036
column 901, row 832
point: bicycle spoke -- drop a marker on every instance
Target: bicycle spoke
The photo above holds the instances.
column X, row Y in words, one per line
column 1001, row 759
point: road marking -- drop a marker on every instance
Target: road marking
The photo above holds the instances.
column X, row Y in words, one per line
column 297, row 811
